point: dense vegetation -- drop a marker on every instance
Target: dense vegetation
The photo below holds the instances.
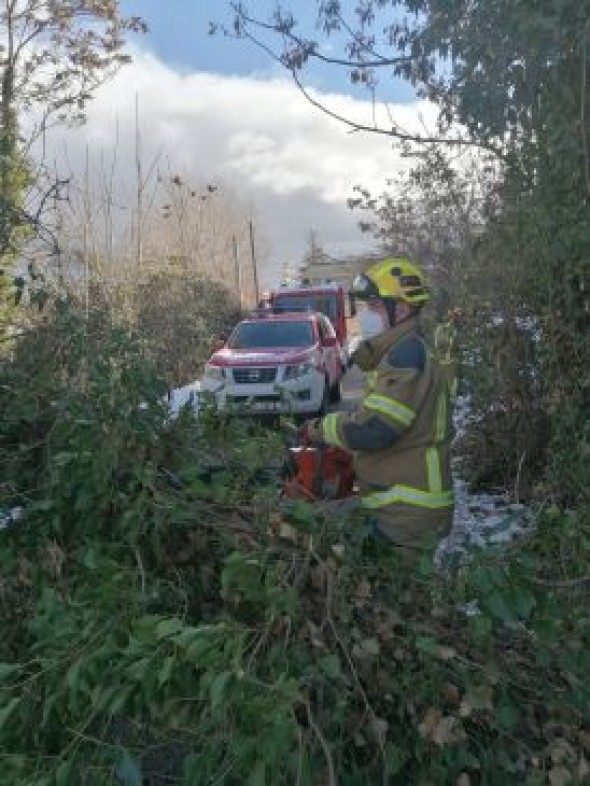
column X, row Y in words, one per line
column 166, row 619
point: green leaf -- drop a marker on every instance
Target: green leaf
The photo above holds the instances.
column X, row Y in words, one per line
column 197, row 650
column 426, row 566
column 7, row 669
column 500, row 609
column 128, row 772
column 89, row 558
column 186, row 636
column 168, row 627
column 64, row 772
column 367, row 648
column 330, row 665
column 479, row 697
column 139, row 669
column 166, row 671
column 192, row 768
column 7, row 710
column 73, row 675
column 219, row 687
column 302, row 514
column 427, row 645
column 258, row 775
column 395, row 758
column 508, row 715
column 371, row 646
column 63, row 458
column 524, row 602
column 120, row 700
column 482, row 626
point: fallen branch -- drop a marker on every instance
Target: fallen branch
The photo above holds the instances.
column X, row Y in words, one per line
column 325, row 747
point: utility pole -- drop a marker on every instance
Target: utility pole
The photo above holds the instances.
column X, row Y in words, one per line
column 237, row 268
column 86, row 231
column 140, row 184
column 254, row 266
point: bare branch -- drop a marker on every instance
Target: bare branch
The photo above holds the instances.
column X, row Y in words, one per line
column 394, row 131
column 308, row 49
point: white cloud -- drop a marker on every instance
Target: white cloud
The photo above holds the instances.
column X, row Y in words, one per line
column 261, row 138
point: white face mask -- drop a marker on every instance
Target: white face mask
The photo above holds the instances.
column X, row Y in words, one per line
column 371, row 323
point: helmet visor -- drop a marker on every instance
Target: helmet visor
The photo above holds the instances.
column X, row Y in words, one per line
column 364, row 288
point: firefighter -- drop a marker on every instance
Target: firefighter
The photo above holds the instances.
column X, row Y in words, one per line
column 400, row 433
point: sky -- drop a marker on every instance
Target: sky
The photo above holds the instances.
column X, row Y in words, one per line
column 179, row 35
column 220, row 111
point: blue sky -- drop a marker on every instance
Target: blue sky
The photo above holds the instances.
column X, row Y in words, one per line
column 179, row 37
column 220, row 111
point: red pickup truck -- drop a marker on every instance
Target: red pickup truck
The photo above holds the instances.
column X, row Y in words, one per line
column 277, row 363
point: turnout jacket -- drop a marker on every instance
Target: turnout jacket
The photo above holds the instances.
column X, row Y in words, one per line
column 400, row 436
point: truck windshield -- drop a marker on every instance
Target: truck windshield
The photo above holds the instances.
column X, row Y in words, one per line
column 325, row 303
column 249, row 335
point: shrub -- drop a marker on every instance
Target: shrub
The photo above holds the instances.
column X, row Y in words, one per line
column 165, row 619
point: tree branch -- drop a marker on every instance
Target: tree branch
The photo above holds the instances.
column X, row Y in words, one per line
column 392, row 132
column 310, row 47
column 382, row 60
column 325, row 747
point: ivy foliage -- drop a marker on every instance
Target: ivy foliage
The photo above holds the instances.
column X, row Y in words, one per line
column 167, row 619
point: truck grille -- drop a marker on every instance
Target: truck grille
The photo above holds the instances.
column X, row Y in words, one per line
column 270, row 398
column 255, row 376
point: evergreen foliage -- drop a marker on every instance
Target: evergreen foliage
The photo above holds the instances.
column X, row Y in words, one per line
column 167, row 620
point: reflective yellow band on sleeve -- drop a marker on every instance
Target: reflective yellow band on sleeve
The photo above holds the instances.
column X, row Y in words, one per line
column 372, row 378
column 409, row 496
column 330, row 430
column 441, row 417
column 433, row 470
column 391, row 408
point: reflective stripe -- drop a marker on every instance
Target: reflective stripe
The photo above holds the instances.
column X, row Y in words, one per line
column 391, row 408
column 433, row 470
column 372, row 377
column 441, row 417
column 330, row 430
column 410, row 496
column 434, row 497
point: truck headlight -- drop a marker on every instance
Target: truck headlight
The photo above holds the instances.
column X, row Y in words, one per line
column 214, row 373
column 297, row 370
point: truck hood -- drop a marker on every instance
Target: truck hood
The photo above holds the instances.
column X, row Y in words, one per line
column 261, row 357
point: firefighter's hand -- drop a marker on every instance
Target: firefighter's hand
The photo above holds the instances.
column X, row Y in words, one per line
column 363, row 357
column 312, row 432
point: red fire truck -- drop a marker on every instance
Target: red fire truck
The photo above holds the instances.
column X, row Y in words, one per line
column 330, row 299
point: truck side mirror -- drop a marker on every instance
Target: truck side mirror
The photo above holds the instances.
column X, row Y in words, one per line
column 330, row 341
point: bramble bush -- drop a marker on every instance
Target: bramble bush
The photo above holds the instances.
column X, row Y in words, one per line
column 167, row 619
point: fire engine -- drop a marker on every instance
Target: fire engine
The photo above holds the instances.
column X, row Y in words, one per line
column 328, row 298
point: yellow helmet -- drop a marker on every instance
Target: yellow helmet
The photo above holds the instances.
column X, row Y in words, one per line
column 395, row 278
